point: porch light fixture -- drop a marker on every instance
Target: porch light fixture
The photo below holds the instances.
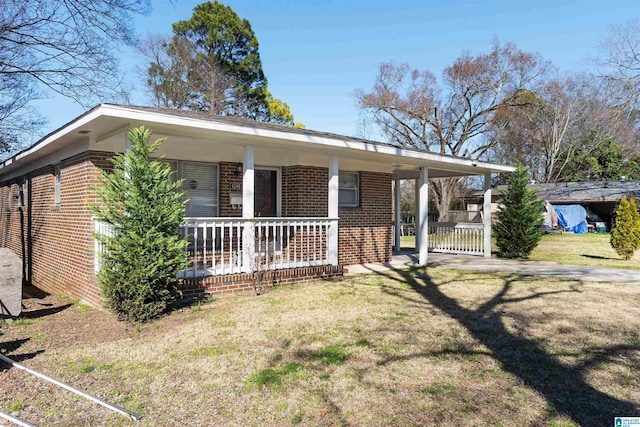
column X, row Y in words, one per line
column 239, row 170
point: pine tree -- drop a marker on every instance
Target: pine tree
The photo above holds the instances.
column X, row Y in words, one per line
column 519, row 219
column 625, row 230
column 144, row 209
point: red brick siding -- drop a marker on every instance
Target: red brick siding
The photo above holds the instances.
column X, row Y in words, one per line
column 61, row 235
column 365, row 231
column 228, row 178
column 10, row 217
column 235, row 283
column 304, row 191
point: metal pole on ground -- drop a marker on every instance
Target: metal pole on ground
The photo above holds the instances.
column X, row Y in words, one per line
column 115, row 408
column 17, row 421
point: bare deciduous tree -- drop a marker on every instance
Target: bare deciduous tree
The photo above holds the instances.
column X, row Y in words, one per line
column 555, row 120
column 619, row 64
column 17, row 117
column 181, row 77
column 415, row 110
column 65, row 46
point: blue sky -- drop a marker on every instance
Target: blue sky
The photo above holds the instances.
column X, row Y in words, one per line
column 315, row 52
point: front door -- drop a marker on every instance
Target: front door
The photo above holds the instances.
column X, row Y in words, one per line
column 266, row 193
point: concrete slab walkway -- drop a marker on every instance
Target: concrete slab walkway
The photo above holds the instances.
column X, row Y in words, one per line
column 470, row 262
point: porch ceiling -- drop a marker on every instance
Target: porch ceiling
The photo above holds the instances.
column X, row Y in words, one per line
column 199, row 137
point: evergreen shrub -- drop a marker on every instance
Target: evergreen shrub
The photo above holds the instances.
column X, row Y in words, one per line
column 144, row 209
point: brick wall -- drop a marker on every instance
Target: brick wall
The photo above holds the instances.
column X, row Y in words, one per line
column 61, row 243
column 365, row 232
column 58, row 238
column 229, row 178
column 244, row 282
column 10, row 217
column 304, row 191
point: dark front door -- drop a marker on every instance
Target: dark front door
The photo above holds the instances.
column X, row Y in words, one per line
column 266, row 193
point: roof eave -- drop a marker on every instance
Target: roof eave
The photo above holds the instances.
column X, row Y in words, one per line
column 336, row 142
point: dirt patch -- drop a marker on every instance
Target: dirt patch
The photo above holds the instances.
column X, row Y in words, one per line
column 55, row 322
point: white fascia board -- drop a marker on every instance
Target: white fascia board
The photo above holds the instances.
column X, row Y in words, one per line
column 419, row 157
column 54, row 136
column 132, row 114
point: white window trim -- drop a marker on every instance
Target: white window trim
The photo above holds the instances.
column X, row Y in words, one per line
column 179, row 174
column 24, row 197
column 57, row 185
column 357, row 190
column 180, row 164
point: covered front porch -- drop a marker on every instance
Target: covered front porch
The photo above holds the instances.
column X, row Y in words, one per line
column 468, row 233
column 264, row 197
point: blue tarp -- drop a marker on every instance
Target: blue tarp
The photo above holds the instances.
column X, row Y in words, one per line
column 572, row 218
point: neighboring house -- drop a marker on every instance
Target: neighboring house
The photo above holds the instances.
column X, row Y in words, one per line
column 600, row 197
column 307, row 202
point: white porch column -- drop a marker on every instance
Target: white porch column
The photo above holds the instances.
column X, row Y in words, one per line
column 127, row 147
column 487, row 215
column 416, row 217
column 424, row 215
column 396, row 246
column 248, row 212
column 248, row 182
column 332, row 203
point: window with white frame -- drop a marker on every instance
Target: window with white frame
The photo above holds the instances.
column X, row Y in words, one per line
column 57, row 179
column 24, row 196
column 200, row 187
column 349, row 189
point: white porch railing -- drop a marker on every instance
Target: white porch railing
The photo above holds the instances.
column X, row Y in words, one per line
column 218, row 246
column 456, row 237
column 100, row 228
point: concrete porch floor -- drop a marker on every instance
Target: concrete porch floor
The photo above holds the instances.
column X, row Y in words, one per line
column 494, row 264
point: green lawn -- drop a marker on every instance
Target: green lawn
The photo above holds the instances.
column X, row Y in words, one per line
column 573, row 249
column 581, row 249
column 399, row 348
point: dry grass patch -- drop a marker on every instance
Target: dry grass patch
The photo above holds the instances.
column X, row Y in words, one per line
column 434, row 347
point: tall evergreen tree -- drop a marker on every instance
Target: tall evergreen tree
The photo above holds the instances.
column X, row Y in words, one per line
column 144, row 209
column 593, row 162
column 625, row 230
column 212, row 64
column 519, row 219
column 229, row 46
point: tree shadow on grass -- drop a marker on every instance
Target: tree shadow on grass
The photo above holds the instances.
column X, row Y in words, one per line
column 565, row 388
column 7, row 347
column 599, row 257
column 39, row 306
column 35, row 314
